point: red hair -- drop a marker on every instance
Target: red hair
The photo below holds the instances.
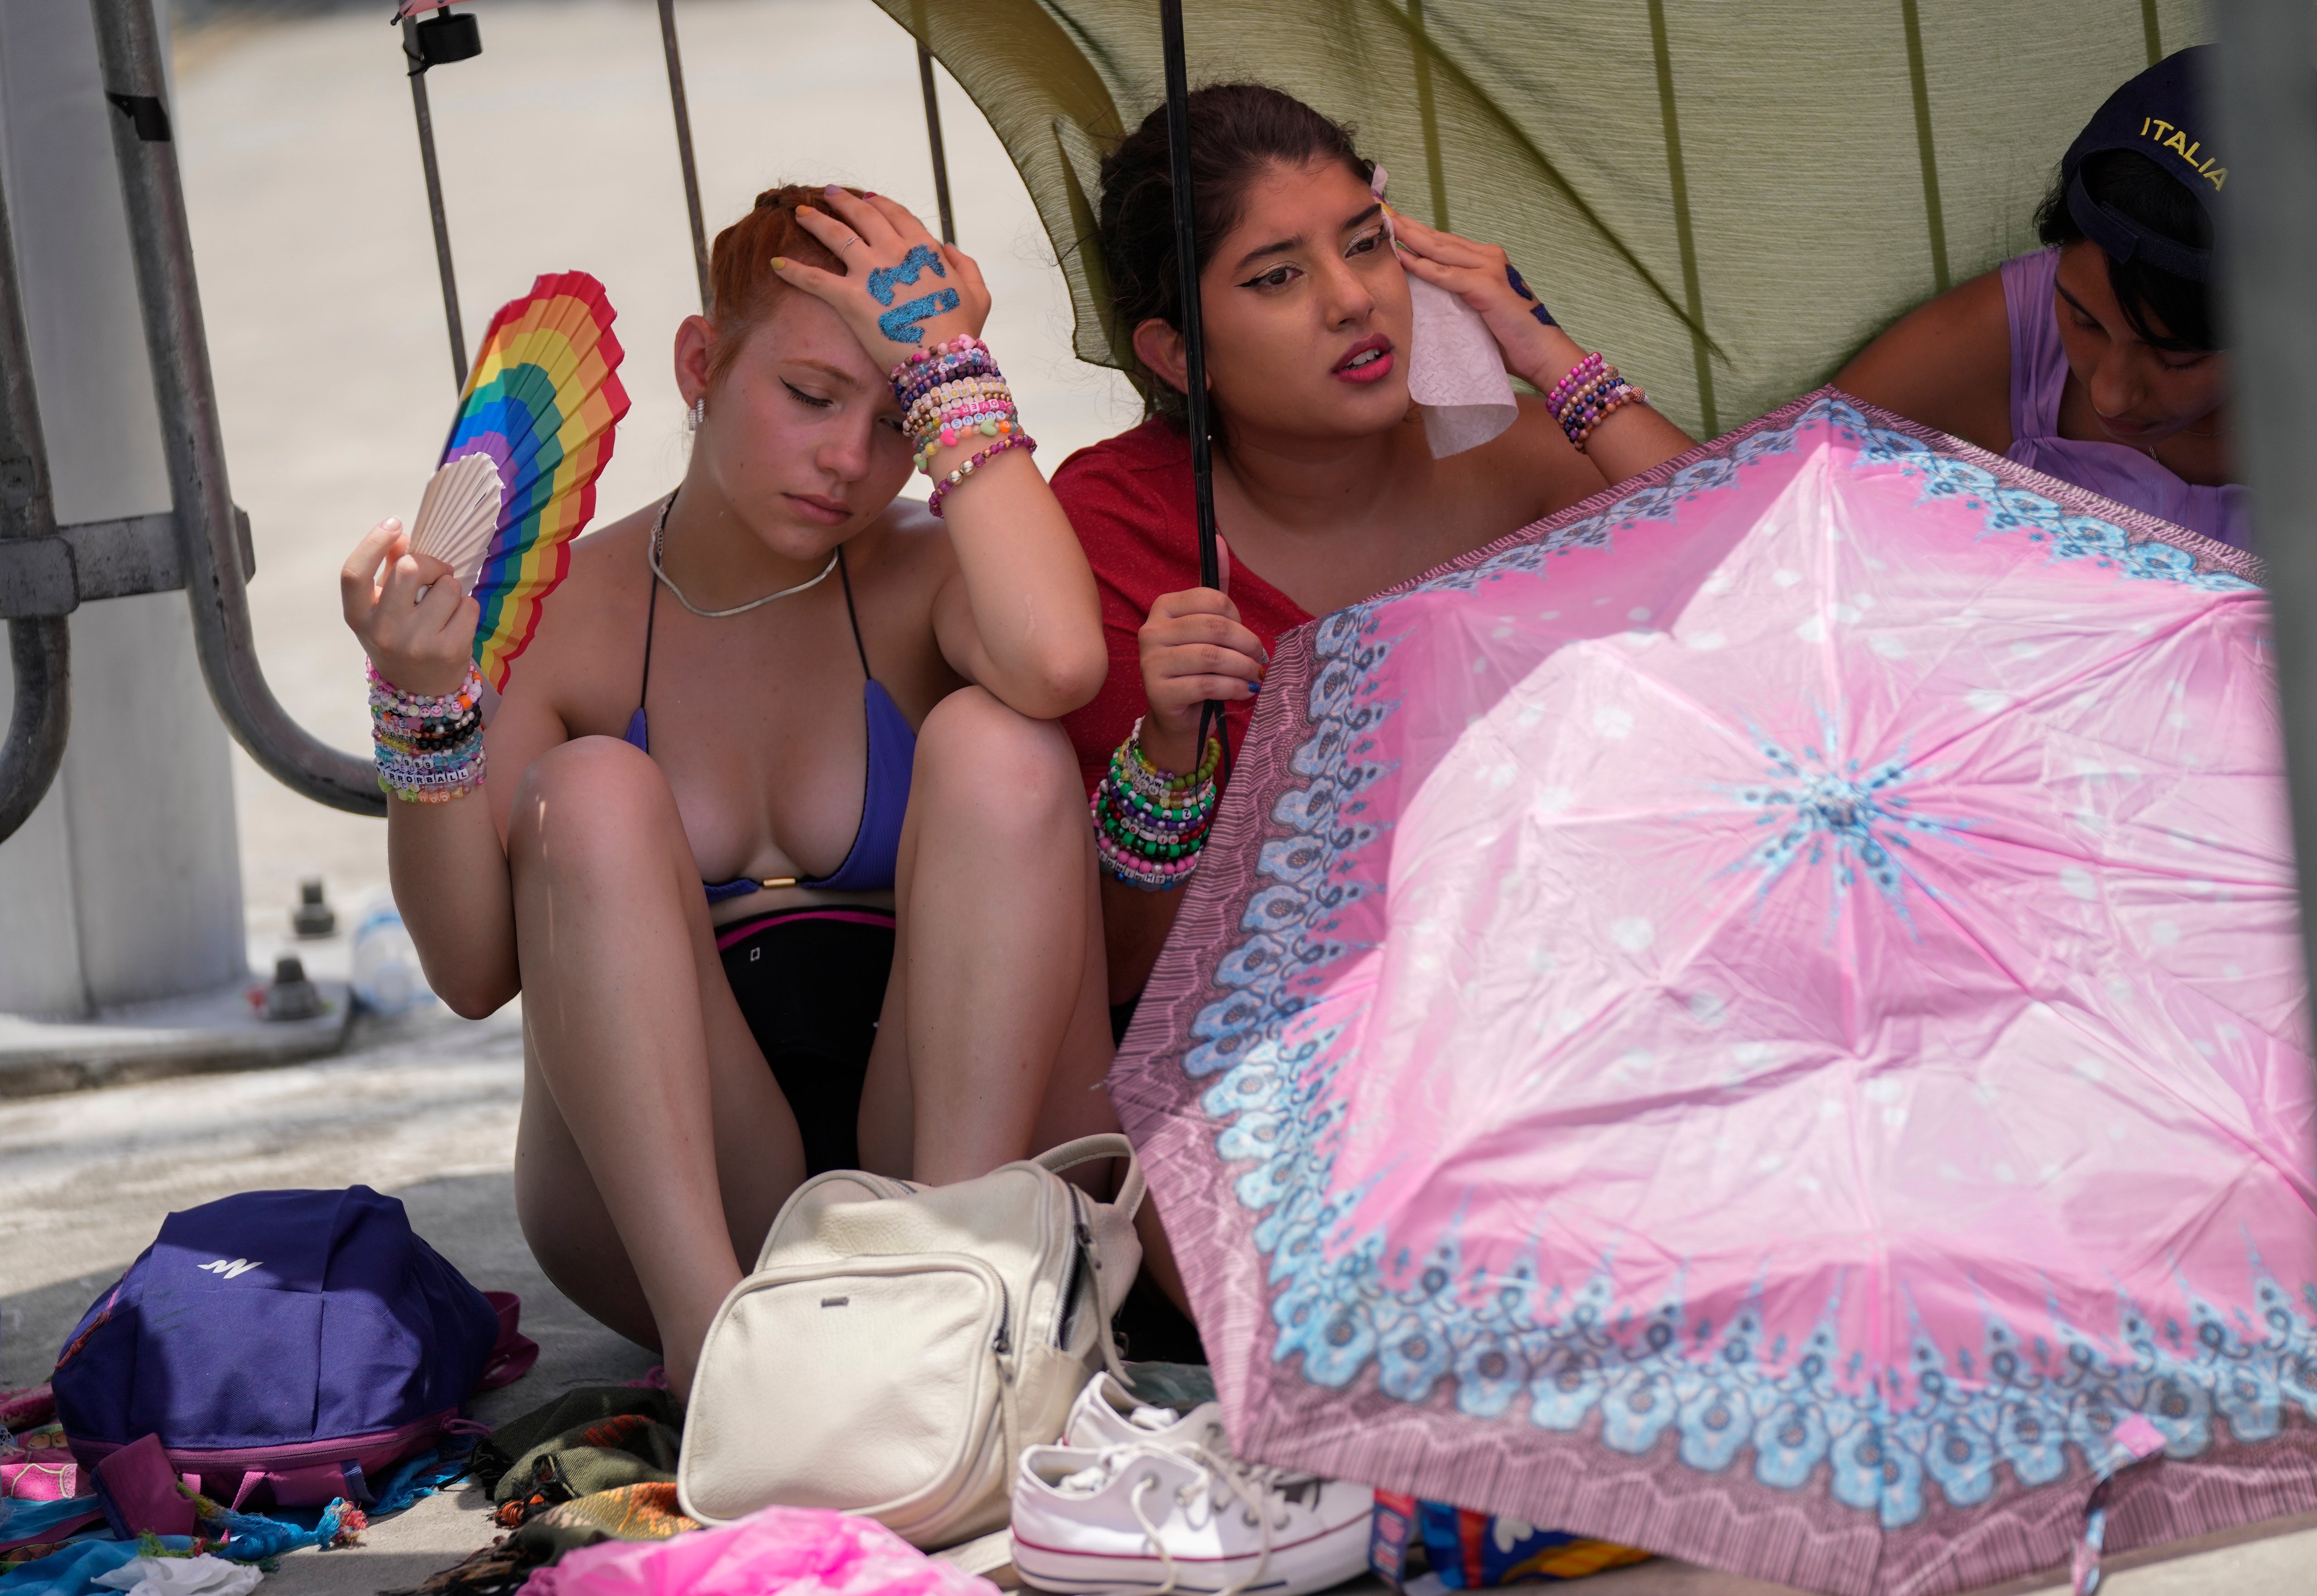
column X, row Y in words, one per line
column 742, row 286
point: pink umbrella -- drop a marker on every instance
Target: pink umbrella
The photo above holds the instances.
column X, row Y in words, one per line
column 1761, row 1019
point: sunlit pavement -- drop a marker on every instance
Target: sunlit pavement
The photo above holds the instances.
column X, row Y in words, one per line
column 319, row 284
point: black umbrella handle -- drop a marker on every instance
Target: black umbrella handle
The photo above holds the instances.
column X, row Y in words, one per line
column 1194, row 348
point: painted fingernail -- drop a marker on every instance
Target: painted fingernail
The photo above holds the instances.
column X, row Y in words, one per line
column 869, row 193
column 780, row 262
column 831, row 191
column 1254, row 687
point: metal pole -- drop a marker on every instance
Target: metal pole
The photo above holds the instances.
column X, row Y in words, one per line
column 40, row 650
column 933, row 138
column 2266, row 99
column 161, row 246
column 417, row 75
column 683, row 146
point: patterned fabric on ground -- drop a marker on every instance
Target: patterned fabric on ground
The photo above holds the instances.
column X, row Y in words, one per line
column 796, row 1551
column 595, row 1463
column 73, row 1570
column 40, row 1466
column 512, row 1447
column 625, row 1450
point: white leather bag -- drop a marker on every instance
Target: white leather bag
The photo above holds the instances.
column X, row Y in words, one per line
column 898, row 1345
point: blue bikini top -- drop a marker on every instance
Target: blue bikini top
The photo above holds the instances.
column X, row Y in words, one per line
column 871, row 864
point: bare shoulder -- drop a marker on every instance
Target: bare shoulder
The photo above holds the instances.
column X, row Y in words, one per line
column 1945, row 363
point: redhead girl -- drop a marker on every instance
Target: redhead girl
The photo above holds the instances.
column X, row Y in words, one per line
column 778, row 841
column 1325, row 488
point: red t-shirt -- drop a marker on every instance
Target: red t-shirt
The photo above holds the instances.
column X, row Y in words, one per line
column 1131, row 501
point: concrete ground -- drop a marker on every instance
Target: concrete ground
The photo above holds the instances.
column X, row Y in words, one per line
column 319, row 291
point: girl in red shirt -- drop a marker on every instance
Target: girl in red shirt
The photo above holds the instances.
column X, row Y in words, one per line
column 1324, row 486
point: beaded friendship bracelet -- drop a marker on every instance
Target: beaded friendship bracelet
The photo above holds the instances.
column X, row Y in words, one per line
column 941, row 489
column 1151, row 825
column 429, row 748
column 950, row 395
column 1586, row 395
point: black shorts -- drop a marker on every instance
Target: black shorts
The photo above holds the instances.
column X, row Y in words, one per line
column 811, row 984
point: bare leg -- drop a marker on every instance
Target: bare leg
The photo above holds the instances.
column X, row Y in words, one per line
column 655, row 1146
column 996, row 1033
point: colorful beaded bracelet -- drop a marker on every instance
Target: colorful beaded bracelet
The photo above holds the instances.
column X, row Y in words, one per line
column 1018, row 439
column 1151, row 825
column 1590, row 366
column 428, row 748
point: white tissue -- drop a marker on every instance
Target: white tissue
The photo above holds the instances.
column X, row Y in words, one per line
column 182, row 1576
column 1455, row 371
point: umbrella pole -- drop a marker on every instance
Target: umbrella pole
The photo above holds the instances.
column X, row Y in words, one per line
column 416, row 71
column 1195, row 353
column 2267, row 98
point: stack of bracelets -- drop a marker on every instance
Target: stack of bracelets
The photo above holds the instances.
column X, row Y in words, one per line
column 949, row 395
column 1583, row 399
column 430, row 750
column 1149, row 824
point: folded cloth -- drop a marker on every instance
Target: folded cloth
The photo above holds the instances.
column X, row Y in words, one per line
column 73, row 1570
column 595, row 1463
column 203, row 1576
column 798, row 1551
column 37, row 1524
column 27, row 1409
column 40, row 1476
column 625, row 1450
column 515, row 1446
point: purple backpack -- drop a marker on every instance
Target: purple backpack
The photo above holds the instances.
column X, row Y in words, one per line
column 288, row 1341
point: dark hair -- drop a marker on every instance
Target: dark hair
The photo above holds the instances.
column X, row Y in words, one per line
column 1236, row 131
column 2131, row 183
column 742, row 288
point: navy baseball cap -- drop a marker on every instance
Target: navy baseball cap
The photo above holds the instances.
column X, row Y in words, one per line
column 2159, row 114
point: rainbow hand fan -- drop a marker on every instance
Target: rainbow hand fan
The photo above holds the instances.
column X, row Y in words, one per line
column 541, row 405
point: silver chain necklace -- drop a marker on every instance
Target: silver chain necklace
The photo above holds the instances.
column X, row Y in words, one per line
column 660, row 534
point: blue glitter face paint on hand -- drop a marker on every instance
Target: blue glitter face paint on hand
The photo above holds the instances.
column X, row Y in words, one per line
column 919, row 258
column 900, row 322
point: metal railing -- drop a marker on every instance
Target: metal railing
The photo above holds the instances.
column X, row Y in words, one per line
column 2268, row 98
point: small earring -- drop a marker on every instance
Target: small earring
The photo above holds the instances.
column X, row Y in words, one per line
column 698, row 414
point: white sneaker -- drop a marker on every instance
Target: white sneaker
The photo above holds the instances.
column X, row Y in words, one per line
column 1152, row 1520
column 1108, row 1414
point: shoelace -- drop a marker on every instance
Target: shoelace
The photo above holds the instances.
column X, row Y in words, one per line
column 1252, row 1484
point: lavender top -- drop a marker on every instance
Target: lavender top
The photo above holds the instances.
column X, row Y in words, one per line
column 2039, row 374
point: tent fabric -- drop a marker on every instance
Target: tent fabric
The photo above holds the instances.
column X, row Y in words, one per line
column 1728, row 199
column 1761, row 1019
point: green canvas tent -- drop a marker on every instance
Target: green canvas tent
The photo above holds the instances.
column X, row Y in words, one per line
column 1731, row 197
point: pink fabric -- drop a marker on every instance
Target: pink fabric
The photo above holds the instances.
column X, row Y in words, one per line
column 2039, row 375
column 1762, row 1018
column 796, row 1551
column 37, row 1479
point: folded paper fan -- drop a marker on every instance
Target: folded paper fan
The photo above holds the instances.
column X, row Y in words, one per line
column 541, row 405
column 458, row 516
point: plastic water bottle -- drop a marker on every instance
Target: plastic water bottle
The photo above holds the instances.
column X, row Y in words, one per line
column 386, row 980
